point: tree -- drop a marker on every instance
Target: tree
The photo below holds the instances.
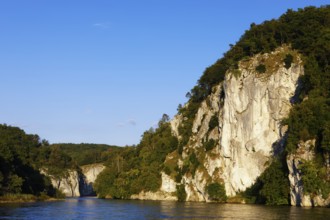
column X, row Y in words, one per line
column 181, row 193
column 15, row 184
column 216, row 192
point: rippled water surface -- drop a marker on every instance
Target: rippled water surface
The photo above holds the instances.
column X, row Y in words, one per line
column 92, row 208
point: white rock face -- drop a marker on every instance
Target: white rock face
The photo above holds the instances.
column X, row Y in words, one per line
column 168, row 184
column 253, row 108
column 90, row 173
column 75, row 184
column 159, row 195
column 304, row 152
column 249, row 108
column 69, row 184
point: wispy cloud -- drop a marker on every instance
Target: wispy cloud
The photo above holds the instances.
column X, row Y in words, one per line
column 130, row 122
column 102, row 25
column 120, row 124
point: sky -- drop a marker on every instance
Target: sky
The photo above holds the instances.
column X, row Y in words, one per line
column 105, row 71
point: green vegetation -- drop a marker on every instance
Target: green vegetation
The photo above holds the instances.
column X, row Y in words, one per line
column 272, row 187
column 306, row 30
column 314, row 179
column 209, row 145
column 214, row 122
column 261, row 68
column 216, row 192
column 181, row 193
column 84, row 154
column 135, row 169
column 288, row 60
column 21, row 157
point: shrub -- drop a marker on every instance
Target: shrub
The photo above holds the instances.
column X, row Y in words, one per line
column 310, row 178
column 287, row 61
column 216, row 192
column 209, row 145
column 167, row 170
column 214, row 121
column 261, row 68
column 181, row 193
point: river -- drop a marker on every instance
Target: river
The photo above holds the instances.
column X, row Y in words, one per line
column 93, row 208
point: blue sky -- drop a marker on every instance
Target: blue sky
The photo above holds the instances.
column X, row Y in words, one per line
column 103, row 71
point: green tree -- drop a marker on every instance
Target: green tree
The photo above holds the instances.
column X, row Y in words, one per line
column 181, row 193
column 15, row 184
column 216, row 192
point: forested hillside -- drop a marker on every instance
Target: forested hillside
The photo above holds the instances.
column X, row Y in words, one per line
column 24, row 156
column 21, row 156
column 84, row 154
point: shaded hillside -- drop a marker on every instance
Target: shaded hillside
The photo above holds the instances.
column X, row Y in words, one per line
column 21, row 156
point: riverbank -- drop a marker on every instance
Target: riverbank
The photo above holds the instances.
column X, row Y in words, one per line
column 25, row 198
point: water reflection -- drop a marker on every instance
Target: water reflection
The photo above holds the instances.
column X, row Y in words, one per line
column 92, row 208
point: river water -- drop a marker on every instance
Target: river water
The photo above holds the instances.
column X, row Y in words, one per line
column 93, row 208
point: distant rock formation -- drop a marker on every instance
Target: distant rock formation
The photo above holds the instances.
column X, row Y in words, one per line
column 78, row 183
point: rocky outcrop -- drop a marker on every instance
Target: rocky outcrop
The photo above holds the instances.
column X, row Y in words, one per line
column 68, row 183
column 249, row 107
column 75, row 183
column 88, row 177
column 167, row 191
column 159, row 195
column 254, row 106
column 305, row 152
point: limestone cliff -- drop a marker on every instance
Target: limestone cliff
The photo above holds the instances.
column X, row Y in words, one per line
column 88, row 177
column 248, row 107
column 67, row 183
column 76, row 183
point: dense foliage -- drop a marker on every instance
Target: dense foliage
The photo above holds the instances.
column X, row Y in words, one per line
column 135, row 169
column 84, row 154
column 21, row 157
column 181, row 193
column 272, row 187
column 306, row 30
column 216, row 192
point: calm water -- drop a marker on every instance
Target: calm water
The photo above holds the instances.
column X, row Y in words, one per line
column 92, row 208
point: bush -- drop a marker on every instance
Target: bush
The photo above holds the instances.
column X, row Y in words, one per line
column 209, row 145
column 167, row 170
column 214, row 122
column 287, row 61
column 261, row 68
column 272, row 187
column 181, row 193
column 310, row 177
column 216, row 192
column 275, row 184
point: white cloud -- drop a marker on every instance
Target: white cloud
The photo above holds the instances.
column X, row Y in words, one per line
column 132, row 122
column 120, row 124
column 105, row 25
